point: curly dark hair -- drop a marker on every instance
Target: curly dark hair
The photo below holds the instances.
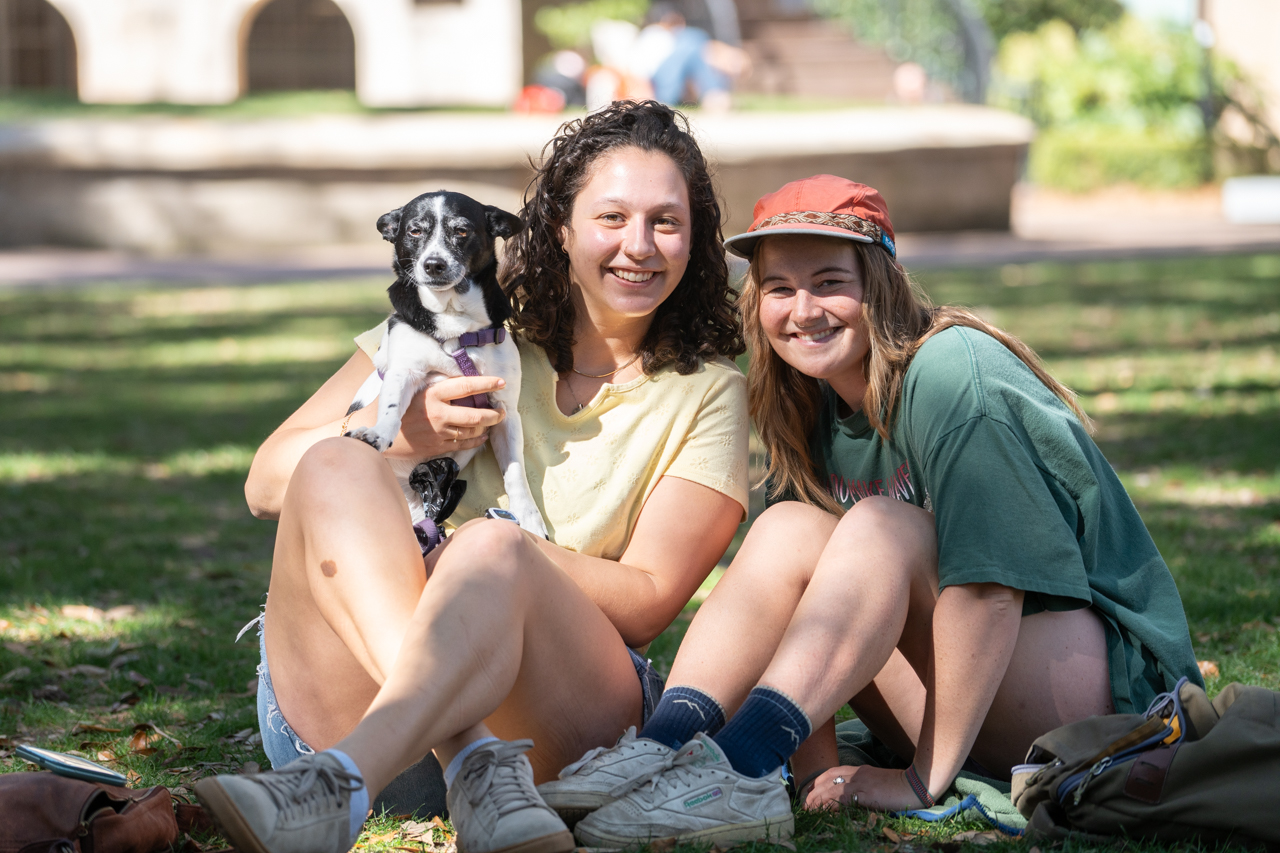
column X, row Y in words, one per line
column 698, row 320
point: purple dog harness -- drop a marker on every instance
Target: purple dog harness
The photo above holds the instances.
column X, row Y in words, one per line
column 468, row 368
column 429, row 532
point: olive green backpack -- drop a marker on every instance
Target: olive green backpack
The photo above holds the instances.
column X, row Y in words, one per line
column 1187, row 769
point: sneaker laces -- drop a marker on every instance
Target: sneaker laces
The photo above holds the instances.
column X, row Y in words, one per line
column 672, row 775
column 293, row 788
column 491, row 770
column 624, row 743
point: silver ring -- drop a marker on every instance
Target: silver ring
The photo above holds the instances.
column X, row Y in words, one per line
column 839, row 780
column 855, row 799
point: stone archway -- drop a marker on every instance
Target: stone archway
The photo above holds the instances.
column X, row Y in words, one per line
column 299, row 44
column 37, row 47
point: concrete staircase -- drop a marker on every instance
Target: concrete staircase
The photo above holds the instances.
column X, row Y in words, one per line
column 794, row 52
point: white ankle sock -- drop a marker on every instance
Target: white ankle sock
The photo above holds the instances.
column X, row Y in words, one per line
column 451, row 772
column 359, row 799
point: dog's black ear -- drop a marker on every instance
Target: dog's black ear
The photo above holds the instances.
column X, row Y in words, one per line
column 501, row 223
column 389, row 224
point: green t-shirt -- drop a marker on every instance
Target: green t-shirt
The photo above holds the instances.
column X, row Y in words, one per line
column 1021, row 497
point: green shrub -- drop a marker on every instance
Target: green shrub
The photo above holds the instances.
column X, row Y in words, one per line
column 1020, row 16
column 1118, row 104
column 1080, row 158
column 569, row 26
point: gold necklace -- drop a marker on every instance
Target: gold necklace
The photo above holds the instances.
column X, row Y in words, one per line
column 613, row 372
column 578, row 405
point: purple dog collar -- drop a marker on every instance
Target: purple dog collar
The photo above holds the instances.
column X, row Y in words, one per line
column 481, row 338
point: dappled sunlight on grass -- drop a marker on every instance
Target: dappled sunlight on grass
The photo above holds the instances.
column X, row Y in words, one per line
column 30, row 467
column 133, row 412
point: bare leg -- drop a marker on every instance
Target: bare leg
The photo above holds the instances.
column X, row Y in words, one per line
column 877, row 575
column 848, row 609
column 498, row 635
column 761, row 589
column 1058, row 674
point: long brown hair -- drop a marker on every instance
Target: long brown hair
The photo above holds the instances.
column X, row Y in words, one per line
column 899, row 318
column 697, row 321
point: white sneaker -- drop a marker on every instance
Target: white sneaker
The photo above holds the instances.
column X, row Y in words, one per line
column 603, row 775
column 495, row 808
column 301, row 808
column 696, row 796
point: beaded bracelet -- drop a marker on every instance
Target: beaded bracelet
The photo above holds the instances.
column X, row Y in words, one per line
column 921, row 790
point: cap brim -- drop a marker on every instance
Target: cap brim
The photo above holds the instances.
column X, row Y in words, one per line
column 744, row 245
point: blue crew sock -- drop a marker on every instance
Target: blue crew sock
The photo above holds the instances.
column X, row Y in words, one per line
column 766, row 731
column 682, row 712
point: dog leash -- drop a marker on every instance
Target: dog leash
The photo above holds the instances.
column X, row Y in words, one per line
column 484, row 337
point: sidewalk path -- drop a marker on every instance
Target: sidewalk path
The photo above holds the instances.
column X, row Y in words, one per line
column 1106, row 225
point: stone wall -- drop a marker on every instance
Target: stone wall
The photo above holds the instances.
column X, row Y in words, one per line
column 407, row 52
column 181, row 186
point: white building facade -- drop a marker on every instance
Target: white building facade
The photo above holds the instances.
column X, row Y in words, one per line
column 403, row 53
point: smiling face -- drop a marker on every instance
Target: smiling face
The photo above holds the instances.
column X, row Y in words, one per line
column 629, row 236
column 811, row 309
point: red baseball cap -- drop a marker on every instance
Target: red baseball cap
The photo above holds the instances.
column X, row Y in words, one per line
column 822, row 205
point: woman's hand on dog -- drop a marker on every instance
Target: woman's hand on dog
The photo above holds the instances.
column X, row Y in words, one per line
column 432, row 426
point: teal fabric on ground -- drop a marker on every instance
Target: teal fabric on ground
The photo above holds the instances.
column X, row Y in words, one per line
column 1021, row 496
column 973, row 796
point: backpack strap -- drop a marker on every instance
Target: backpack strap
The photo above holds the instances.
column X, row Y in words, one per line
column 1145, row 781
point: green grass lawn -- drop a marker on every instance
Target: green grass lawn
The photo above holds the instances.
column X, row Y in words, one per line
column 128, row 560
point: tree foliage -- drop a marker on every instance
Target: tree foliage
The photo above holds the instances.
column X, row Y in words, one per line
column 1024, row 16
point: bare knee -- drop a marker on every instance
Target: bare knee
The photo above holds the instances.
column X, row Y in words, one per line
column 909, row 528
column 331, row 471
column 489, row 551
column 787, row 539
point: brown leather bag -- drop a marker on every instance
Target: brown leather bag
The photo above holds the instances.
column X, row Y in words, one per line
column 44, row 813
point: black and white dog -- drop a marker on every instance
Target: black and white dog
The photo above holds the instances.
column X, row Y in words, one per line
column 448, row 321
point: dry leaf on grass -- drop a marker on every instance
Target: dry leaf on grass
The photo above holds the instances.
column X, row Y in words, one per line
column 145, row 735
column 1208, row 668
column 83, row 612
column 88, row 670
column 120, row 611
column 662, row 845
column 980, row 837
column 81, row 728
column 16, row 673
column 891, row 835
column 126, row 658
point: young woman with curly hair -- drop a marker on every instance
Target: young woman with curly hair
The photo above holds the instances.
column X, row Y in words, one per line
column 635, row 444
column 945, row 549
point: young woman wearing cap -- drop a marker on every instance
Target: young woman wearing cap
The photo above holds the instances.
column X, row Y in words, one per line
column 945, row 548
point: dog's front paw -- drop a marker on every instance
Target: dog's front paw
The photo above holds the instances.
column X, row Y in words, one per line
column 369, row 436
column 531, row 520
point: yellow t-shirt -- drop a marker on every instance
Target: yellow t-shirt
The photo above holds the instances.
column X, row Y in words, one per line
column 591, row 472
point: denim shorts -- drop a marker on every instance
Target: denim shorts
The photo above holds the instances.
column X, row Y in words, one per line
column 282, row 744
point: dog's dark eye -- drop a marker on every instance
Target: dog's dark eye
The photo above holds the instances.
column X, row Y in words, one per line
column 415, row 232
column 461, row 233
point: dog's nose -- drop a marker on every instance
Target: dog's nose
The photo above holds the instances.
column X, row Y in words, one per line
column 434, row 265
